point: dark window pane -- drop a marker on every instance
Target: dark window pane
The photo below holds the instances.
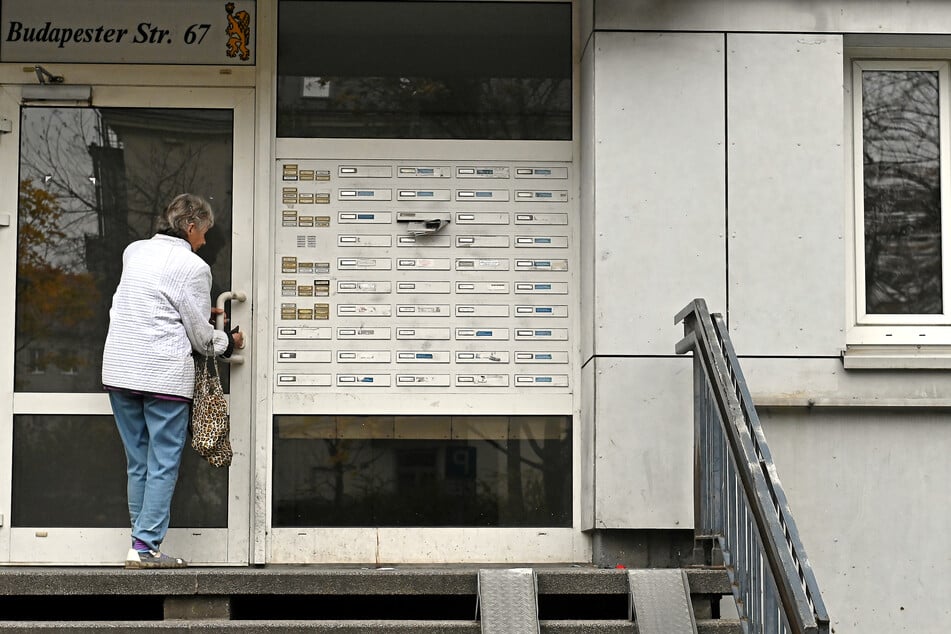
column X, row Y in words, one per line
column 901, row 158
column 92, row 180
column 70, row 471
column 494, row 471
column 436, row 70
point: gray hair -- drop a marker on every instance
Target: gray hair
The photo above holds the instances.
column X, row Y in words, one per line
column 184, row 210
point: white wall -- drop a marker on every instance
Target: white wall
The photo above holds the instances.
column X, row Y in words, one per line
column 659, row 185
column 791, row 16
column 653, row 221
column 868, row 490
column 643, row 442
column 785, row 122
column 865, row 471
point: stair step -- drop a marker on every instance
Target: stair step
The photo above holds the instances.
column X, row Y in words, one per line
column 266, row 627
column 719, row 626
column 627, row 627
column 572, row 600
column 291, row 580
column 344, row 627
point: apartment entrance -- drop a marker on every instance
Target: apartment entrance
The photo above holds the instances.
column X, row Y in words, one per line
column 92, row 173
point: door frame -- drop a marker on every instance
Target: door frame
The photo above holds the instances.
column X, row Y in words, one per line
column 73, row 546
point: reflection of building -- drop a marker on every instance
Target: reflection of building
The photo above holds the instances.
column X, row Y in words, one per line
column 143, row 158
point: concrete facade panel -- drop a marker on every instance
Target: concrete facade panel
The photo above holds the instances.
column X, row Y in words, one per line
column 824, row 382
column 586, row 228
column 809, row 16
column 786, row 199
column 643, row 443
column 865, row 488
column 658, row 185
column 587, row 433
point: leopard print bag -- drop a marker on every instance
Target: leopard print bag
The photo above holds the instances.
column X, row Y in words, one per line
column 209, row 417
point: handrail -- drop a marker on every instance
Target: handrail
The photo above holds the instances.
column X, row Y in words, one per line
column 739, row 499
column 223, row 298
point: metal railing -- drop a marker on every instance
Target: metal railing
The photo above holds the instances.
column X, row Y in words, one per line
column 738, row 498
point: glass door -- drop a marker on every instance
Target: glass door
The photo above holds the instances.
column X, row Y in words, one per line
column 80, row 182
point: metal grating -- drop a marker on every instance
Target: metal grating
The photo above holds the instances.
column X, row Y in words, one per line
column 508, row 601
column 661, row 602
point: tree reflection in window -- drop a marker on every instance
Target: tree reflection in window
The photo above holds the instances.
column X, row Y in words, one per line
column 424, row 70
column 902, row 192
column 92, row 181
column 498, row 471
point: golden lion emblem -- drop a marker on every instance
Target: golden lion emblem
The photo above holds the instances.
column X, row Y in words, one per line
column 239, row 32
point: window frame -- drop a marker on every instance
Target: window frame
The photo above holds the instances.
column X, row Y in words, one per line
column 897, row 329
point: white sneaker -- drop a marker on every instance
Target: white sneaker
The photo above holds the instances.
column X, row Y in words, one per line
column 151, row 559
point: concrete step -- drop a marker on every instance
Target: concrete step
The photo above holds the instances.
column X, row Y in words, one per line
column 719, row 626
column 339, row 627
column 238, row 627
column 304, row 580
column 571, row 599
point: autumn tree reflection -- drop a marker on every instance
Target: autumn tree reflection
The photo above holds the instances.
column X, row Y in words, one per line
column 56, row 296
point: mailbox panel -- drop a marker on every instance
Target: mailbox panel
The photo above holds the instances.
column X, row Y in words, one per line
column 423, row 275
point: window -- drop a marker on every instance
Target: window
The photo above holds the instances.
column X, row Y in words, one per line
column 69, row 471
column 82, row 199
column 902, row 162
column 474, row 471
column 424, row 70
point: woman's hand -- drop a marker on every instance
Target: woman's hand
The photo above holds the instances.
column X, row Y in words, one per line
column 237, row 337
column 214, row 313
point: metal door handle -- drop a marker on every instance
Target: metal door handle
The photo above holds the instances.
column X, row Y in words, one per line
column 234, row 296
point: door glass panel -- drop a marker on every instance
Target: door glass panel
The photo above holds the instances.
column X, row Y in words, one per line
column 69, row 471
column 480, row 471
column 92, row 180
column 901, row 159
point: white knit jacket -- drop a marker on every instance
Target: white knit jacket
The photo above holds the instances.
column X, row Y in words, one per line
column 159, row 314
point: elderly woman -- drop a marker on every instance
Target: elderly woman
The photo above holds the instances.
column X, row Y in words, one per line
column 159, row 316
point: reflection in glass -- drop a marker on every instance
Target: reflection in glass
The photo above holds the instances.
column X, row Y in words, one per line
column 495, row 471
column 901, row 158
column 92, row 180
column 435, row 70
column 69, row 471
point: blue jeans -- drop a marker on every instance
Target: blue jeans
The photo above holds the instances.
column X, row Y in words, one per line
column 153, row 431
